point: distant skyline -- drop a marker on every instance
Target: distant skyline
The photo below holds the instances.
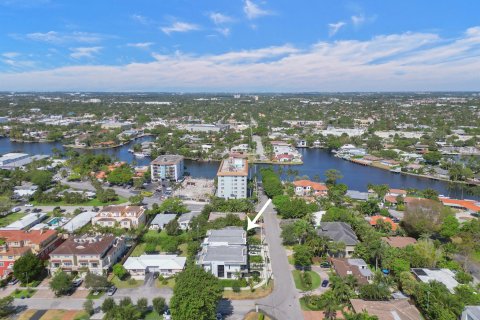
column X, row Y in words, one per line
column 239, row 45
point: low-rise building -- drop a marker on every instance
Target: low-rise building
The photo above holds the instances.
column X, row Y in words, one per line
column 79, row 221
column 124, row 216
column 339, row 232
column 204, row 127
column 471, row 313
column 355, row 267
column 26, row 222
column 167, row 167
column 445, row 276
column 166, row 265
column 161, row 220
column 399, row 242
column 185, row 219
column 16, row 243
column 87, row 253
column 224, row 252
column 387, row 310
column 307, row 188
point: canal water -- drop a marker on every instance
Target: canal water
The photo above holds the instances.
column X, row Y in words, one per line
column 315, row 162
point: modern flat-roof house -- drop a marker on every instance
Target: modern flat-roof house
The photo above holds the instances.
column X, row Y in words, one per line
column 79, row 221
column 125, row 216
column 204, row 127
column 224, row 252
column 445, row 276
column 167, row 167
column 161, row 220
column 16, row 243
column 166, row 265
column 87, row 253
column 10, row 161
column 339, row 232
column 232, row 178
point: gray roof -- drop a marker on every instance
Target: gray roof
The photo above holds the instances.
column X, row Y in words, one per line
column 229, row 235
column 163, row 219
column 233, row 254
column 357, row 195
column 473, row 311
column 338, row 232
column 188, row 216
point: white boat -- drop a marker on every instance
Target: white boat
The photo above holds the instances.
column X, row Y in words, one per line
column 130, row 150
column 139, row 155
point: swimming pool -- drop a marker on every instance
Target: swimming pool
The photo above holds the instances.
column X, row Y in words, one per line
column 54, row 221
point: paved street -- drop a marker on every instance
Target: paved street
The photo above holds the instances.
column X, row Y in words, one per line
column 260, row 151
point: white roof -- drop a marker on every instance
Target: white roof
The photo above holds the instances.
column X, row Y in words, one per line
column 445, row 276
column 79, row 221
column 25, row 221
column 161, row 261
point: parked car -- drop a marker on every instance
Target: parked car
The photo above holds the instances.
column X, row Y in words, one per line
column 325, row 265
column 325, row 283
column 111, row 290
column 167, row 315
column 15, row 209
column 77, row 282
column 28, row 205
column 13, row 281
column 36, row 210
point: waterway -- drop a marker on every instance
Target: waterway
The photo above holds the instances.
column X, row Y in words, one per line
column 315, row 162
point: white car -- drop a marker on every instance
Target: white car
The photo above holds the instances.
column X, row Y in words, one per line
column 28, row 205
column 15, row 209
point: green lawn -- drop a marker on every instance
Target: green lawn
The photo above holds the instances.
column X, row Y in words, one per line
column 26, row 293
column 183, row 249
column 126, row 284
column 298, row 282
column 153, row 316
column 98, row 296
column 170, row 283
column 12, row 217
column 91, row 203
column 304, row 305
column 291, row 260
column 476, row 256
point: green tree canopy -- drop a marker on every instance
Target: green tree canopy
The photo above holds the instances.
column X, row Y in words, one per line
column 28, row 267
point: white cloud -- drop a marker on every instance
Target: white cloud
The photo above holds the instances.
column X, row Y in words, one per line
column 253, row 10
column 141, row 45
column 395, row 62
column 333, row 28
column 84, row 52
column 55, row 37
column 223, row 31
column 10, row 55
column 358, row 20
column 180, row 27
column 140, row 19
column 219, row 18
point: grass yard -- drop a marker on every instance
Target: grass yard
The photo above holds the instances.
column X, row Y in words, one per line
column 92, row 296
column 183, row 249
column 26, row 293
column 247, row 294
column 10, row 218
column 170, row 283
column 291, row 260
column 476, row 256
column 298, row 281
column 153, row 316
column 304, row 305
column 126, row 284
column 91, row 203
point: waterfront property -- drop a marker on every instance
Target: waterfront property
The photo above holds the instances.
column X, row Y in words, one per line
column 339, row 232
column 11, row 161
column 166, row 265
column 310, row 188
column 224, row 252
column 232, row 178
column 16, row 243
column 167, row 167
column 124, row 216
column 87, row 253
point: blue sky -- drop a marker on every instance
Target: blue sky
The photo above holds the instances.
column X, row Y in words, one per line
column 239, row 45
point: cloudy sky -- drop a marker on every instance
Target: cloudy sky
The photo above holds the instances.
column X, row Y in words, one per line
column 239, row 45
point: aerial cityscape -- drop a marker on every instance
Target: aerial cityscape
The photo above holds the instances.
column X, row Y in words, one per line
column 239, row 160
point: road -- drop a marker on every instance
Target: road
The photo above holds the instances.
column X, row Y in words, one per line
column 260, row 151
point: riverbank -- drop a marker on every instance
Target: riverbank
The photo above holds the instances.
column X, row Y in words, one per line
column 74, row 146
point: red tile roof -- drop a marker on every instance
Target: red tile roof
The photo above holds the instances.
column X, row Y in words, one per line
column 466, row 204
column 399, row 242
column 33, row 236
column 374, row 221
column 314, row 185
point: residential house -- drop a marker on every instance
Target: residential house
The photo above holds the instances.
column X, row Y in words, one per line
column 307, row 188
column 387, row 310
column 355, row 267
column 87, row 253
column 445, row 276
column 224, row 252
column 26, row 222
column 161, row 220
column 216, row 215
column 16, row 243
column 185, row 219
column 373, row 220
column 471, row 313
column 339, row 232
column 124, row 216
column 399, row 242
column 471, row 206
column 166, row 265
